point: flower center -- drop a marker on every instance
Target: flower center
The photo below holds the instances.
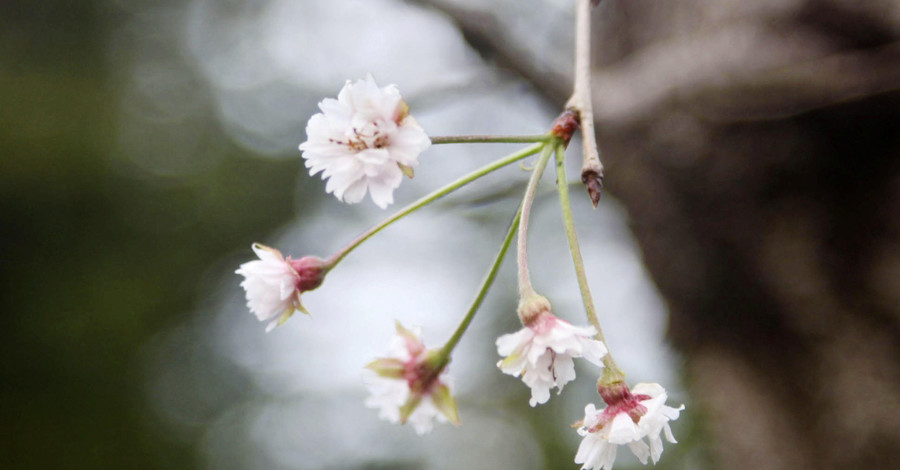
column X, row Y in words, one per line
column 420, row 376
column 369, row 136
column 629, row 405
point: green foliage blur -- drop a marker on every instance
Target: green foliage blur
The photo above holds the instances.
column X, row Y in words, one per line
column 97, row 260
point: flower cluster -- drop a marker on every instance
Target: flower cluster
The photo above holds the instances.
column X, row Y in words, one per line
column 543, row 350
column 409, row 384
column 365, row 140
column 629, row 417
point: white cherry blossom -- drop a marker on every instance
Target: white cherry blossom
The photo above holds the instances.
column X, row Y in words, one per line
column 364, row 141
column 632, row 416
column 273, row 283
column 542, row 353
column 408, row 385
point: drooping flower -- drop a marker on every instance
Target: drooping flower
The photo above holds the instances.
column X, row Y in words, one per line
column 410, row 385
column 365, row 140
column 273, row 283
column 629, row 417
column 543, row 350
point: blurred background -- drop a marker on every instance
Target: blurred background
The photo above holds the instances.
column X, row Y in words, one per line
column 746, row 255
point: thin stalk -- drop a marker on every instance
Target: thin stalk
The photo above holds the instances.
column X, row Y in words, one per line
column 577, row 260
column 336, row 258
column 525, row 287
column 479, row 139
column 591, row 168
column 485, row 286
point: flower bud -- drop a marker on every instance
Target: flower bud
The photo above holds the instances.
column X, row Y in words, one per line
column 593, row 182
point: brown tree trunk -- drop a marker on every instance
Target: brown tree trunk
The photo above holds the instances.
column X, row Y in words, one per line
column 777, row 246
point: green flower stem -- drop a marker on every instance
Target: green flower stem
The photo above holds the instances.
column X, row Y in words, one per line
column 490, row 139
column 562, row 185
column 336, row 258
column 525, row 288
column 485, row 286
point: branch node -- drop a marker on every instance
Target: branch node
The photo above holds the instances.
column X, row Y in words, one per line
column 566, row 124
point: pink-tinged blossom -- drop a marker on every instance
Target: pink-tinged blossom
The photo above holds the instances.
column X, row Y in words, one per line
column 629, row 417
column 273, row 283
column 409, row 384
column 365, row 140
column 543, row 350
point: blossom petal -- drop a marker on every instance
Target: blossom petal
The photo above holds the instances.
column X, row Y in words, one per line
column 271, row 286
column 543, row 352
column 615, row 425
column 359, row 140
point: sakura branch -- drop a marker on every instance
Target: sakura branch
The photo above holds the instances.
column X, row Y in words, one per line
column 365, row 142
column 581, row 102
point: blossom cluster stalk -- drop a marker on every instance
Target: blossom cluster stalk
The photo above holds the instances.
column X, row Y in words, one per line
column 490, row 139
column 485, row 286
column 525, row 287
column 575, row 249
column 431, row 197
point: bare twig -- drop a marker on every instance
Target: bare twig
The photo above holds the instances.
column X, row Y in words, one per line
column 580, row 102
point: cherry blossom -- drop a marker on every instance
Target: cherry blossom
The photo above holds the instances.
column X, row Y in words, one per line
column 629, row 417
column 543, row 350
column 365, row 140
column 409, row 384
column 273, row 283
